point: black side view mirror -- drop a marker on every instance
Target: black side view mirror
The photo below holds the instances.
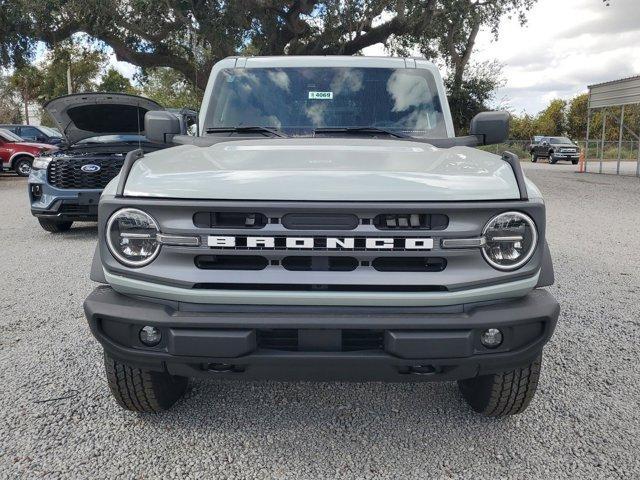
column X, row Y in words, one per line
column 161, row 126
column 545, row 144
column 490, row 127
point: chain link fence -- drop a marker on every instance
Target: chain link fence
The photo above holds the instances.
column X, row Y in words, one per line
column 600, row 157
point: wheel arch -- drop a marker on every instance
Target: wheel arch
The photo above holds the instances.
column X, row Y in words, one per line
column 18, row 155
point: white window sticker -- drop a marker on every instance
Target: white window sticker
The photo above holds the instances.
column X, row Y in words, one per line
column 320, row 95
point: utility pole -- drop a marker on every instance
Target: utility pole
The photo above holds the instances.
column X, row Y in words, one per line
column 25, row 97
column 69, row 87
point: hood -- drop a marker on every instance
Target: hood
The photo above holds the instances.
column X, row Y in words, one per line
column 315, row 169
column 85, row 115
column 41, row 146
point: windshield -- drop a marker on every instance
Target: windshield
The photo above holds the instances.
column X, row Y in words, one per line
column 113, row 139
column 10, row 137
column 299, row 100
column 560, row 140
column 52, row 132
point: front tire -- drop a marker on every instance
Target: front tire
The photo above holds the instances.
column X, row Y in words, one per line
column 54, row 226
column 574, row 162
column 502, row 394
column 22, row 166
column 552, row 159
column 141, row 390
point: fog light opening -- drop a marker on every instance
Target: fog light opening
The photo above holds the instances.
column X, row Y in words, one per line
column 36, row 191
column 491, row 338
column 150, row 336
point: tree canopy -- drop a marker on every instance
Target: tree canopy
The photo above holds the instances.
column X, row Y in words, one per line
column 189, row 37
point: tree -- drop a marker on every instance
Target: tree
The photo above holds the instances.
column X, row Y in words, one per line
column 26, row 82
column 86, row 66
column 169, row 88
column 577, row 117
column 10, row 108
column 523, row 127
column 113, row 81
column 471, row 97
column 48, row 79
column 551, row 121
column 190, row 36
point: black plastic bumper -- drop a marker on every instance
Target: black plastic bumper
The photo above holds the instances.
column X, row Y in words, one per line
column 83, row 209
column 323, row 343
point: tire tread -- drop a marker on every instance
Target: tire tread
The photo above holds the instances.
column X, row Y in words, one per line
column 503, row 394
column 141, row 390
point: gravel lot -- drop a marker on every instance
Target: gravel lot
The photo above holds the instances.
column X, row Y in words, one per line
column 57, row 418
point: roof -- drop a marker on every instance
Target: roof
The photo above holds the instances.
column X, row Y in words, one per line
column 611, row 82
column 284, row 61
column 625, row 91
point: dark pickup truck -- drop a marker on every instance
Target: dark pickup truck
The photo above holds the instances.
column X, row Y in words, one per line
column 555, row 149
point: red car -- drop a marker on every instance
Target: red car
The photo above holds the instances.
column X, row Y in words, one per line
column 17, row 154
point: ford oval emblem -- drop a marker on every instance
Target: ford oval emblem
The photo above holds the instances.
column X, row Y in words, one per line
column 90, row 168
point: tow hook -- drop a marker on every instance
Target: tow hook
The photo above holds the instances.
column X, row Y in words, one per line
column 223, row 368
column 424, row 370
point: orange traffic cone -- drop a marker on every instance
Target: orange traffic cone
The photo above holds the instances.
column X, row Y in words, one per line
column 581, row 163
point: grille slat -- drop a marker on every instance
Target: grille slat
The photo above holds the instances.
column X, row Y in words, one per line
column 66, row 173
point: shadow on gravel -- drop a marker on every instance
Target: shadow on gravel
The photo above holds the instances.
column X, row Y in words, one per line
column 310, row 409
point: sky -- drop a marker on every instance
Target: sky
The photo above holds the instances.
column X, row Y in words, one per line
column 565, row 46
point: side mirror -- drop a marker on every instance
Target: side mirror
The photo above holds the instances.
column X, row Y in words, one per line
column 491, row 127
column 161, row 126
column 545, row 144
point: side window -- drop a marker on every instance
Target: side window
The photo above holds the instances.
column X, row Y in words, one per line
column 30, row 133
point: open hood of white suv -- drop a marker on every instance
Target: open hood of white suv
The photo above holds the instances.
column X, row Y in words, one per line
column 322, row 169
column 85, row 115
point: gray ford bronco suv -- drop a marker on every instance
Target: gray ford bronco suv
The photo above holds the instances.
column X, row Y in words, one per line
column 325, row 224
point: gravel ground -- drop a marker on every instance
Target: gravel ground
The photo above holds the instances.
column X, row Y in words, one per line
column 58, row 420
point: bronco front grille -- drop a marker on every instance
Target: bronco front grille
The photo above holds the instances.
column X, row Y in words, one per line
column 67, row 173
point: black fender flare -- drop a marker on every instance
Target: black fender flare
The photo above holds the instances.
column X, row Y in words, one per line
column 547, row 274
column 97, row 273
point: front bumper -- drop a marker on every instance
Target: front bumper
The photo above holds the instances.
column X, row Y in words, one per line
column 48, row 201
column 323, row 343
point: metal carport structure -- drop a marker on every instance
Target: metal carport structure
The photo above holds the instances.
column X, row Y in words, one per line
column 605, row 96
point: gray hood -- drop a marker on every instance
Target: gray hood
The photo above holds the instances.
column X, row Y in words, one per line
column 322, row 169
column 85, row 115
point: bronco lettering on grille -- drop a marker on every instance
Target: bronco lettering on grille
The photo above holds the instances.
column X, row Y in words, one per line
column 319, row 243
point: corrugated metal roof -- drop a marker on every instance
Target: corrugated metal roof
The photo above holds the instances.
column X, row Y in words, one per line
column 625, row 91
column 614, row 81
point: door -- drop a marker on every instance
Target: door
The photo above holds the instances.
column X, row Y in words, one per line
column 5, row 152
column 542, row 148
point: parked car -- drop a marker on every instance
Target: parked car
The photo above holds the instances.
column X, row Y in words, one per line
column 555, row 149
column 17, row 154
column 36, row 133
column 100, row 129
column 308, row 233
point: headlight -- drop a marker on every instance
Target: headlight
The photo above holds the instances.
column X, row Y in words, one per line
column 41, row 163
column 131, row 237
column 510, row 240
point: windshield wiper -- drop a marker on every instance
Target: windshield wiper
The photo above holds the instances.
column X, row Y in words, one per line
column 356, row 130
column 247, row 129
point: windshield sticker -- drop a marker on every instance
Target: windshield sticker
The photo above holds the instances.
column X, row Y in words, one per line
column 320, row 95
